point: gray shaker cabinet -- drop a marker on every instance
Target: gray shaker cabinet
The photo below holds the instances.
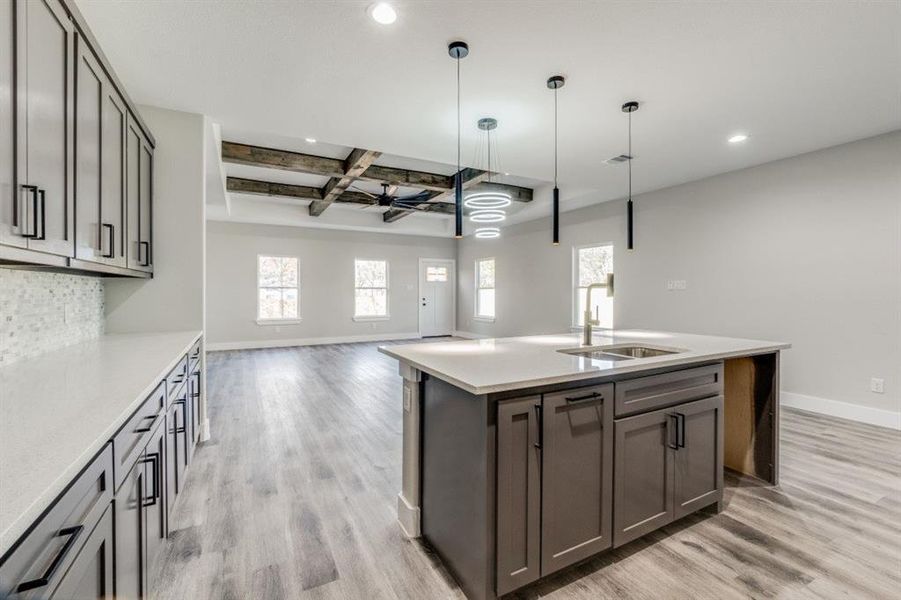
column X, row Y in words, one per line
column 100, row 117
column 698, row 480
column 518, row 493
column 91, row 573
column 8, row 207
column 131, row 533
column 139, row 191
column 577, row 475
column 45, row 46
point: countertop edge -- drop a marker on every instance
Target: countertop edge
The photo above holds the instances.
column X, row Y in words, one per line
column 18, row 527
column 625, row 369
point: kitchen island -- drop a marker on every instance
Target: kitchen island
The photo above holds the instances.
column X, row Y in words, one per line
column 525, row 455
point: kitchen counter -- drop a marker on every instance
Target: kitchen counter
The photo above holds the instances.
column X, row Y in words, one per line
column 496, row 365
column 57, row 410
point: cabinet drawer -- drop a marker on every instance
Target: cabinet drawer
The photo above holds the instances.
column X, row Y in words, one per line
column 36, row 565
column 130, row 441
column 194, row 357
column 176, row 379
column 639, row 395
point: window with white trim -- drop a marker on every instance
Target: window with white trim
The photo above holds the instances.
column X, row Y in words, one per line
column 278, row 288
column 370, row 289
column 485, row 289
column 591, row 264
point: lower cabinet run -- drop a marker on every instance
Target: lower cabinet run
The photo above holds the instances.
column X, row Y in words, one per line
column 574, row 480
column 101, row 537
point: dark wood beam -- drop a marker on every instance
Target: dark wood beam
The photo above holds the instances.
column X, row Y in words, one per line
column 394, row 214
column 287, row 190
column 354, row 165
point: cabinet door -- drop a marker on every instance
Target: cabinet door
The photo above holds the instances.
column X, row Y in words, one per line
column 145, row 221
column 131, row 535
column 171, row 469
column 112, row 183
column 643, row 475
column 138, row 173
column 518, row 493
column 195, row 404
column 9, row 207
column 89, row 91
column 698, row 457
column 155, row 497
column 91, row 573
column 181, row 442
column 577, row 476
column 45, row 122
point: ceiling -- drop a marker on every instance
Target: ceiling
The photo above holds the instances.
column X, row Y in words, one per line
column 795, row 76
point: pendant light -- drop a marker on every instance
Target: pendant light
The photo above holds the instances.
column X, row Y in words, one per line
column 488, row 206
column 458, row 51
column 629, row 108
column 555, row 83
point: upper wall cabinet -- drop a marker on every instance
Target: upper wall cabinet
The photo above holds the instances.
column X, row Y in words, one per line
column 75, row 161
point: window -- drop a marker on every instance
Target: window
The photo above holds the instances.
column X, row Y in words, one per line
column 370, row 289
column 435, row 274
column 485, row 289
column 591, row 264
column 278, row 290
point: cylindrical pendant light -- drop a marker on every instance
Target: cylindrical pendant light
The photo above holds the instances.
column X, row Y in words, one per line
column 458, row 50
column 555, row 83
column 629, row 108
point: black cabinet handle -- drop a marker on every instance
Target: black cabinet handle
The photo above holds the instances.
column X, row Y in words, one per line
column 195, row 392
column 73, row 533
column 539, row 413
column 145, row 246
column 43, row 215
column 591, row 396
column 152, row 418
column 112, row 239
column 33, row 189
column 680, row 431
column 183, row 416
column 154, row 459
column 672, row 422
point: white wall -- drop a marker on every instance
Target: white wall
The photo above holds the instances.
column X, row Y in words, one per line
column 805, row 250
column 326, row 283
column 173, row 299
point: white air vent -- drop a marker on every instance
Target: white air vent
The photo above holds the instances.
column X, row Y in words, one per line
column 618, row 159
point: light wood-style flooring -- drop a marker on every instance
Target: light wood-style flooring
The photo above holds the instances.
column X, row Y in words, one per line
column 294, row 497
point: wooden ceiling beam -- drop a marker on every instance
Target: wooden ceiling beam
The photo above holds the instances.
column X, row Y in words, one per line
column 287, row 190
column 354, row 165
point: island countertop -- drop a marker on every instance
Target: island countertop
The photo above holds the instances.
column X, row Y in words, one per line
column 485, row 366
column 57, row 410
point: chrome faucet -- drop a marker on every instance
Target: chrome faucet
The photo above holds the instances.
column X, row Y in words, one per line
column 589, row 322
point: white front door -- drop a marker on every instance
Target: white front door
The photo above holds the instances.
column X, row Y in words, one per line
column 436, row 297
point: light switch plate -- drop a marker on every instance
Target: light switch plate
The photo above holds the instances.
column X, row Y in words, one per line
column 877, row 385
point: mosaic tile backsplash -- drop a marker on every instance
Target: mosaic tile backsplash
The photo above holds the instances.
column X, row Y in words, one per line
column 40, row 312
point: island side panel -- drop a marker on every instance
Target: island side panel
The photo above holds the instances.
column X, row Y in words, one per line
column 458, row 483
column 408, row 500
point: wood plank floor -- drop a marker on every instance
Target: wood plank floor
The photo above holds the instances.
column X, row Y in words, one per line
column 294, row 497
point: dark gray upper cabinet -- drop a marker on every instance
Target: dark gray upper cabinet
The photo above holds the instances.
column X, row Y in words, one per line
column 698, row 480
column 100, row 118
column 44, row 108
column 643, row 475
column 91, row 574
column 139, row 191
column 577, row 475
column 9, row 233
column 518, row 493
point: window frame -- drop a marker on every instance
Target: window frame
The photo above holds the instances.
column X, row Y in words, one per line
column 387, row 288
column 574, row 287
column 476, row 288
column 279, row 321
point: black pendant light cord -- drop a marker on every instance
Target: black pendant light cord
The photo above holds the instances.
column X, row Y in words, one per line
column 459, row 118
column 630, row 157
column 555, row 137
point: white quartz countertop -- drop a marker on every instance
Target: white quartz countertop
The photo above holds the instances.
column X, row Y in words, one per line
column 500, row 364
column 57, row 410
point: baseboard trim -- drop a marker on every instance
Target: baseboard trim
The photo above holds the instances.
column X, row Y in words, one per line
column 470, row 335
column 348, row 339
column 842, row 410
column 409, row 517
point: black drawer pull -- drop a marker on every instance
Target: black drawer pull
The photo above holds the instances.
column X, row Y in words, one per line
column 73, row 533
column 33, row 189
column 154, row 459
column 591, row 396
column 153, row 419
column 539, row 414
column 672, row 421
column 680, row 430
column 145, row 246
column 111, row 238
column 43, row 215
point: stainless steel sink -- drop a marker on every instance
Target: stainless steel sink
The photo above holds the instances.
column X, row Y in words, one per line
column 620, row 351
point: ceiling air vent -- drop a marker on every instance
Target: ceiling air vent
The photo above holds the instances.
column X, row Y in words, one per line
column 618, row 159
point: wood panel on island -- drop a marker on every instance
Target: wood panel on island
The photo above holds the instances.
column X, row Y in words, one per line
column 75, row 195
column 342, row 173
column 101, row 537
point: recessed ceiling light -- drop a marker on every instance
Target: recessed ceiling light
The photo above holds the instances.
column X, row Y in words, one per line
column 383, row 13
column 311, row 140
column 738, row 138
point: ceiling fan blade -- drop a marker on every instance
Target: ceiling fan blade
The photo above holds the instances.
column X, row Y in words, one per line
column 362, row 191
column 423, row 196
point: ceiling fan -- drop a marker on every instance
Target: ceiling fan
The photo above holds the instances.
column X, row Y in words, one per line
column 388, row 199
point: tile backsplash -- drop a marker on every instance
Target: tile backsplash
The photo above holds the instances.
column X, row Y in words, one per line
column 40, row 312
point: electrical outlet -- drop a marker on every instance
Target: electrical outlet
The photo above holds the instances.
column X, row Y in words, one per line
column 877, row 385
